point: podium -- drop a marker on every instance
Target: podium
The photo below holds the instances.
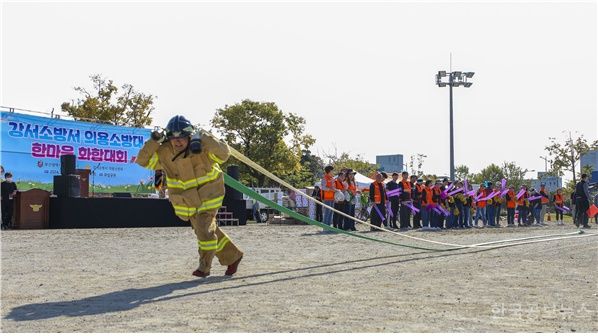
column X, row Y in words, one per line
column 32, row 209
column 83, row 182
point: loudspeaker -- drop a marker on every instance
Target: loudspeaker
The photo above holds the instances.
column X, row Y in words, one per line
column 68, row 164
column 67, row 186
column 232, row 194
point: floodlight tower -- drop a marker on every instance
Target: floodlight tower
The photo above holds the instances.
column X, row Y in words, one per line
column 455, row 78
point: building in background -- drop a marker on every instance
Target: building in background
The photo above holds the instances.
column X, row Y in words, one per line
column 591, row 159
column 551, row 182
column 390, row 163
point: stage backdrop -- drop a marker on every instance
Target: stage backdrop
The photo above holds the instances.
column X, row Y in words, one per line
column 32, row 146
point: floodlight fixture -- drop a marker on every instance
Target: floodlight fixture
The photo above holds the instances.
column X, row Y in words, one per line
column 455, row 79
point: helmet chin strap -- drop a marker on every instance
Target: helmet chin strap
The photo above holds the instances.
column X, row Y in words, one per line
column 185, row 150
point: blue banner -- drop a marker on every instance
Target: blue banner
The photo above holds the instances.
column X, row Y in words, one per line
column 32, row 146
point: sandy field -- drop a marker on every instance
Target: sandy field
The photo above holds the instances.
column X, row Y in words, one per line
column 295, row 279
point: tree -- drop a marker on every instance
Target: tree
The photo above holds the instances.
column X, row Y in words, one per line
column 258, row 130
column 415, row 164
column 514, row 174
column 357, row 163
column 462, row 172
column 131, row 108
column 565, row 155
column 492, row 173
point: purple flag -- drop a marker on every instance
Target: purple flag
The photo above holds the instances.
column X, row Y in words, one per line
column 455, row 191
column 410, row 206
column 533, row 198
column 520, row 193
column 393, row 192
column 378, row 211
column 503, row 184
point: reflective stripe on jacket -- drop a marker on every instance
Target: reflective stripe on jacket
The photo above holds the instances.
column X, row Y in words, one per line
column 195, row 181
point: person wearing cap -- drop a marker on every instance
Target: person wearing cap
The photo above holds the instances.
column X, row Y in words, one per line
column 378, row 200
column 544, row 202
column 191, row 162
column 481, row 206
column 394, row 200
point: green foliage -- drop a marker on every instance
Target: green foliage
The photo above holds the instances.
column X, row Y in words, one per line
column 357, row 163
column 259, row 130
column 491, row 173
column 565, row 155
column 462, row 173
column 514, row 174
column 131, row 108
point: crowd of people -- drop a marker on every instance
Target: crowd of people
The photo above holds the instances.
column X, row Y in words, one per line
column 412, row 203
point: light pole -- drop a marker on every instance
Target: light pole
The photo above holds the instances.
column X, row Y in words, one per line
column 545, row 163
column 455, row 78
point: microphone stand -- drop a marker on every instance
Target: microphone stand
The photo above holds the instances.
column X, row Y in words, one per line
column 93, row 179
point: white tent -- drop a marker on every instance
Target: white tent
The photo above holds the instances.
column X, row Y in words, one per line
column 363, row 182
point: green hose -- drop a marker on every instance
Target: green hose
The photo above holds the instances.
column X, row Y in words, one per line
column 231, row 182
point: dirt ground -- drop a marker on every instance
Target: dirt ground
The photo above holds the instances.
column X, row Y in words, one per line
column 295, row 279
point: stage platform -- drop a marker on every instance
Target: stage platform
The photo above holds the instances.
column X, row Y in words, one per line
column 111, row 212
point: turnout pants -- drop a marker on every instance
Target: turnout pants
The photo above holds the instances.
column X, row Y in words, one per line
column 212, row 241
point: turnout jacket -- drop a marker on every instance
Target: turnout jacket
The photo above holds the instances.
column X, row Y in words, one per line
column 195, row 181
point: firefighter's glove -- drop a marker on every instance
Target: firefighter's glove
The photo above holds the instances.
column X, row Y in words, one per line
column 159, row 136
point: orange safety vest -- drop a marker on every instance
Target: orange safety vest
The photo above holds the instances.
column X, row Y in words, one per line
column 377, row 193
column 544, row 199
column 328, row 195
column 353, row 188
column 511, row 201
column 339, row 185
column 436, row 192
column 428, row 199
column 558, row 199
column 482, row 204
column 406, row 186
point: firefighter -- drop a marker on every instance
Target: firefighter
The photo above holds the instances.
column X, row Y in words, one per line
column 191, row 161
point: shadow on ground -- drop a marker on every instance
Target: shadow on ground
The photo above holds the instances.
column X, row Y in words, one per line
column 131, row 298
